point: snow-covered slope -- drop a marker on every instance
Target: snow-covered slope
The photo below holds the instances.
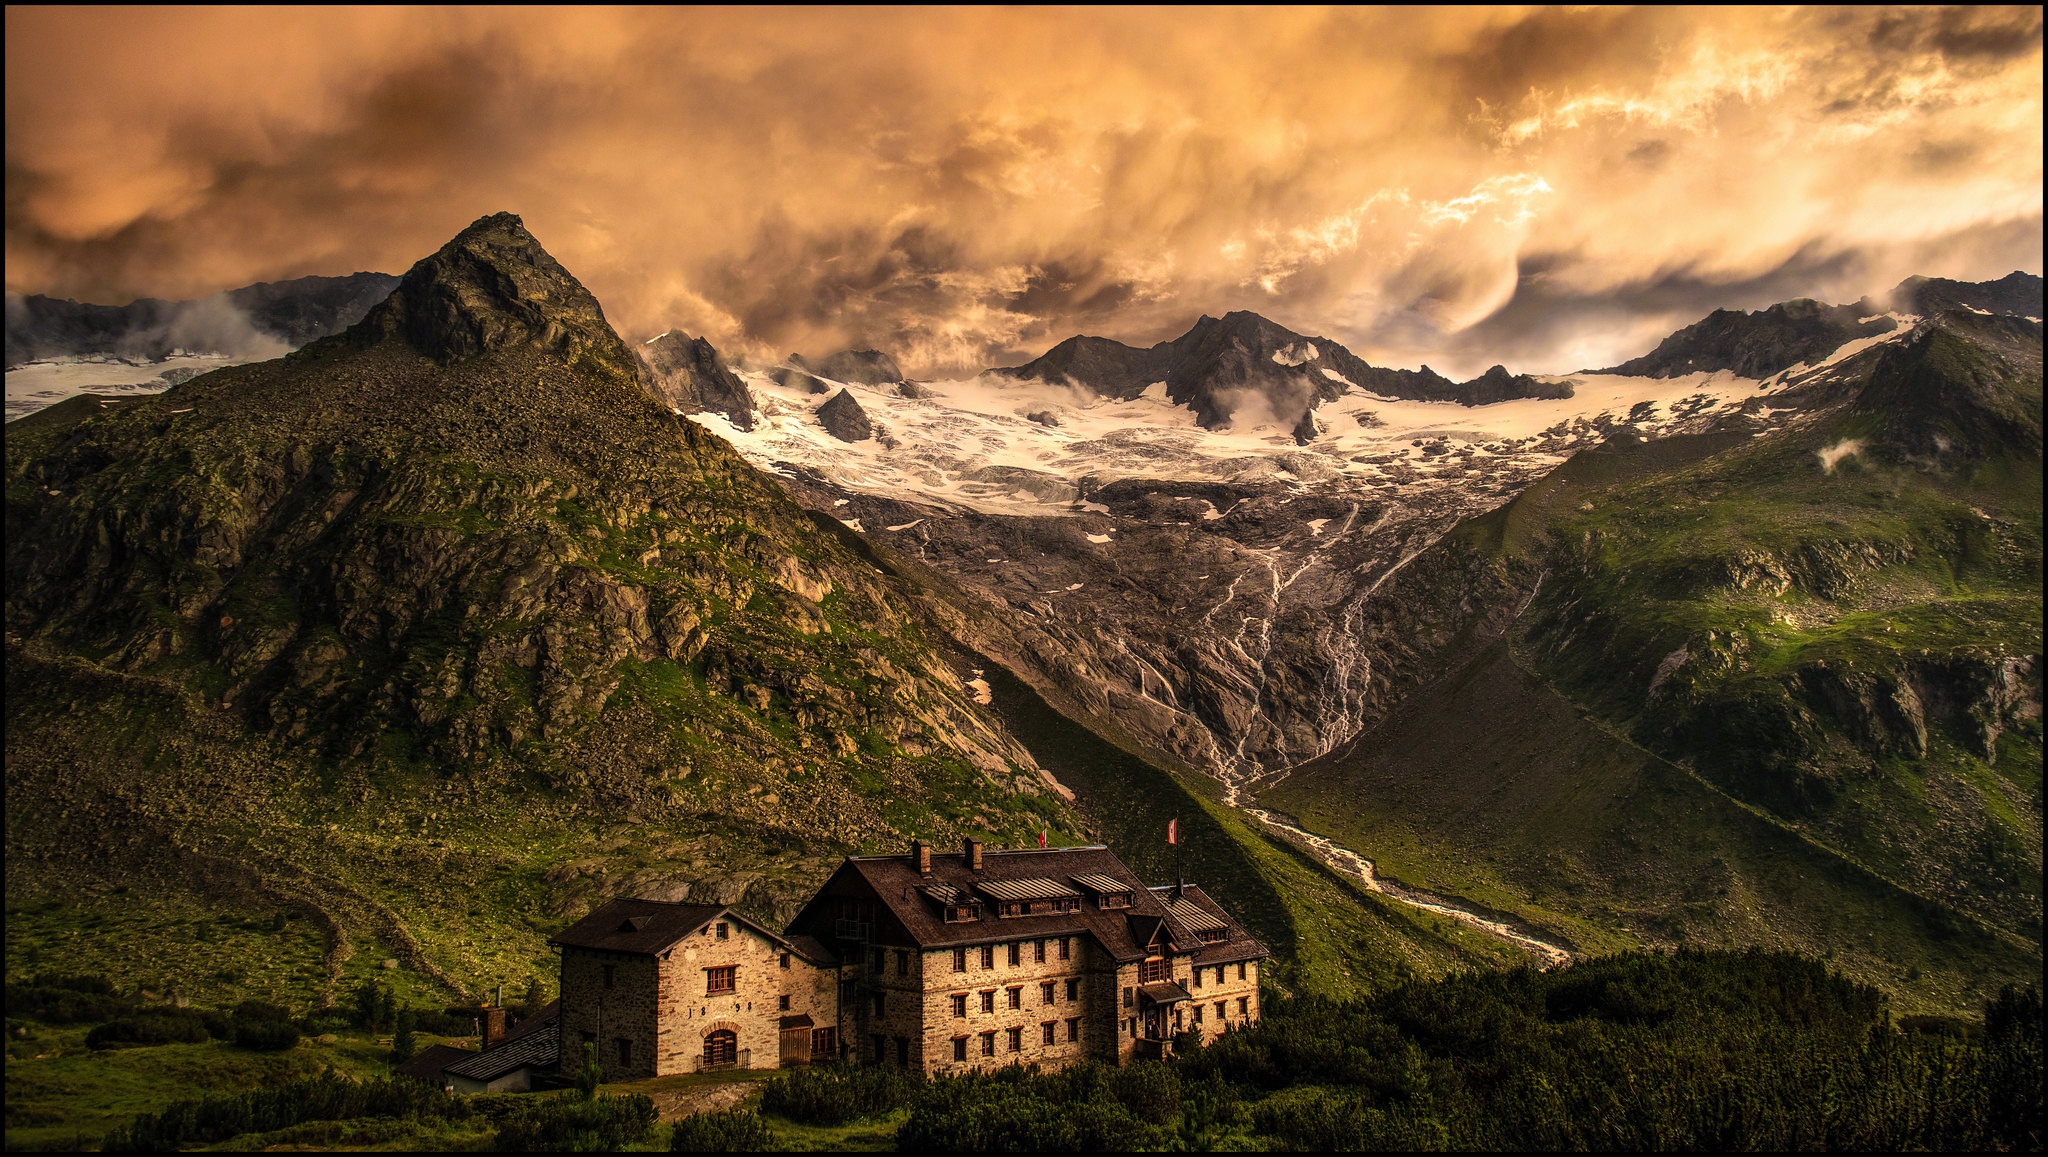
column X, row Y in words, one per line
column 1197, row 585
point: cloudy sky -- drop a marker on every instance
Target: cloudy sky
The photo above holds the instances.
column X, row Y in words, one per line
column 1550, row 188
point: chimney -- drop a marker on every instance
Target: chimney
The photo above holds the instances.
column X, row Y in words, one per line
column 493, row 1024
column 973, row 854
column 923, row 852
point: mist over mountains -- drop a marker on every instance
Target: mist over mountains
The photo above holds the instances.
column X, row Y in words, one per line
column 256, row 321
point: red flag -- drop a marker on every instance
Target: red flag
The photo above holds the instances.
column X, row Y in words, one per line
column 1041, row 839
column 1173, row 830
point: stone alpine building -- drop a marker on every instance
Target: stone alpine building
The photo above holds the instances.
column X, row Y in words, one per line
column 944, row 963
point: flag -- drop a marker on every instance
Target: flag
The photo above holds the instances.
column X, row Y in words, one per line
column 1173, row 830
column 1041, row 839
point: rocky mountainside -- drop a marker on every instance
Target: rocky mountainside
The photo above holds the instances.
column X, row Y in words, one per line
column 689, row 375
column 1783, row 688
column 1807, row 332
column 404, row 628
column 1759, row 344
column 2018, row 294
column 1243, row 367
column 291, row 312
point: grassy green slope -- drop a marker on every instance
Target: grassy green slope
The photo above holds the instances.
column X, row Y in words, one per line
column 435, row 652
column 1779, row 690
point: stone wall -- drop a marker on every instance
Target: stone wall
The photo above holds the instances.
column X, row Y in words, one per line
column 752, row 1010
column 626, row 1010
column 917, row 1005
column 663, row 1011
column 1229, row 991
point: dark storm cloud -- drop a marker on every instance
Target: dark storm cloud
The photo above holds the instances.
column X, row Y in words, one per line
column 967, row 186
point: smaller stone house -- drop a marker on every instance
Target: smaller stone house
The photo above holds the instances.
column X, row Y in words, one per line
column 663, row 988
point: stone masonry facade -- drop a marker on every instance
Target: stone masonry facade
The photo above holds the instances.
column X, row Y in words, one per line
column 944, row 964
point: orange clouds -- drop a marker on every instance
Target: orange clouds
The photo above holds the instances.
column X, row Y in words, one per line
column 1548, row 187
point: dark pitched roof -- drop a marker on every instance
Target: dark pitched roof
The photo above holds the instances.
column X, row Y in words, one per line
column 895, row 879
column 650, row 927
column 1236, row 945
column 431, row 1060
column 539, row 1048
column 641, row 927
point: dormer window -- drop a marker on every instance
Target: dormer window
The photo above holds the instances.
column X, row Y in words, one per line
column 1113, row 900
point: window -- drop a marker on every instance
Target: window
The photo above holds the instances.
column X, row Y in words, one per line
column 782, row 1003
column 717, row 980
column 1132, row 1024
column 1130, row 998
column 1049, row 1033
column 1011, row 908
column 959, row 1004
column 878, row 1002
column 785, row 960
column 988, row 1043
column 1016, row 994
column 903, row 962
column 1240, row 972
column 1153, row 971
column 1243, row 1006
column 824, row 1043
column 1198, row 1014
column 878, row 1042
column 959, row 960
column 724, row 930
column 1073, row 991
column 1016, row 955
column 959, row 1048
column 1198, row 976
column 611, row 974
column 1073, row 1028
column 903, row 1051
column 876, row 961
column 625, row 1050
column 1045, row 992
column 1016, row 1040
column 988, row 956
column 988, row 1001
column 1066, row 945
column 1038, row 952
column 1221, row 1005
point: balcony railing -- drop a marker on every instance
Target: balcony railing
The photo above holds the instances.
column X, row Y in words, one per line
column 860, row 930
column 743, row 1059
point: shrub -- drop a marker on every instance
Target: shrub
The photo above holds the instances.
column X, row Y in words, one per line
column 329, row 1097
column 67, row 1000
column 263, row 1026
column 154, row 1027
column 834, row 1094
column 566, row 1124
column 732, row 1131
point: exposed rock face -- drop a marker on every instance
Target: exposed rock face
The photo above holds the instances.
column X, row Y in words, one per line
column 861, row 367
column 493, row 287
column 796, row 378
column 1757, row 345
column 689, row 375
column 2018, row 294
column 292, row 312
column 843, row 418
column 1243, row 366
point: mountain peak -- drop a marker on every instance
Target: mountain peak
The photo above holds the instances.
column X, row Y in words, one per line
column 491, row 287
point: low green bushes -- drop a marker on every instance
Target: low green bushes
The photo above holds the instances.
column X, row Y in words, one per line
column 731, row 1131
column 836, row 1094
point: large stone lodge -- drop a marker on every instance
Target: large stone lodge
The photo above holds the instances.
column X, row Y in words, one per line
column 939, row 962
